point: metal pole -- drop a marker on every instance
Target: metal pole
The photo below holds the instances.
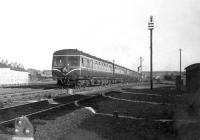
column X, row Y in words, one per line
column 151, row 59
column 151, row 27
column 141, row 64
column 140, row 68
column 180, row 62
column 180, row 71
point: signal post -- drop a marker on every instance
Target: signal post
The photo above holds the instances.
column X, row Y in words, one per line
column 151, row 27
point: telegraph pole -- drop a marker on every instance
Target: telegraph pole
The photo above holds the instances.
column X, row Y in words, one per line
column 141, row 59
column 151, row 27
column 180, row 61
column 180, row 82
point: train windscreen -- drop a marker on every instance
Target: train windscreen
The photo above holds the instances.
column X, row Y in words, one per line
column 73, row 61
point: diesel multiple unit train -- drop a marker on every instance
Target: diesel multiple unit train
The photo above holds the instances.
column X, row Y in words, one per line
column 72, row 67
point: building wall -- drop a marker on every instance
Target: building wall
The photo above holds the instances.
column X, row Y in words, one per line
column 8, row 76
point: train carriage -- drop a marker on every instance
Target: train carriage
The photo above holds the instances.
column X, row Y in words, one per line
column 74, row 67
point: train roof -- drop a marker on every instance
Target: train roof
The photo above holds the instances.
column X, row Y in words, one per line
column 68, row 52
column 77, row 52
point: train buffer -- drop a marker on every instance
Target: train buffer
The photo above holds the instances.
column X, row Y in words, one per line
column 23, row 130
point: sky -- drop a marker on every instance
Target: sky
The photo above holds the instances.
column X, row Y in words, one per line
column 30, row 31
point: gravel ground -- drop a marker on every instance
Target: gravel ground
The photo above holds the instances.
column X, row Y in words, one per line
column 89, row 126
column 37, row 92
column 79, row 123
column 125, row 129
column 146, row 97
column 132, row 109
column 7, row 101
column 4, row 91
column 65, row 127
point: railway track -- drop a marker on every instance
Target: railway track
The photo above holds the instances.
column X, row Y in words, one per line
column 23, row 97
column 45, row 92
column 17, row 91
column 34, row 110
column 9, row 114
column 23, row 93
column 17, row 116
column 41, row 89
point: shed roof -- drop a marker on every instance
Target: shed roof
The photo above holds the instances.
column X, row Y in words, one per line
column 193, row 66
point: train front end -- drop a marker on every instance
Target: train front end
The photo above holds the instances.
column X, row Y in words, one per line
column 65, row 68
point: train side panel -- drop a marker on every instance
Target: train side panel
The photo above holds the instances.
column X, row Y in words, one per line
column 74, row 65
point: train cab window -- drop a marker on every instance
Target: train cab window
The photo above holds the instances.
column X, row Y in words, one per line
column 58, row 61
column 73, row 61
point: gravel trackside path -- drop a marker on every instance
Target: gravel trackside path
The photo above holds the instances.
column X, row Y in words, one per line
column 52, row 129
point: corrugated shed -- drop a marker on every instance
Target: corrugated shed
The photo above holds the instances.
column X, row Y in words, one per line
column 193, row 77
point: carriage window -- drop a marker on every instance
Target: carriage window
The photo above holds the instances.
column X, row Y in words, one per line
column 88, row 63
column 81, row 60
